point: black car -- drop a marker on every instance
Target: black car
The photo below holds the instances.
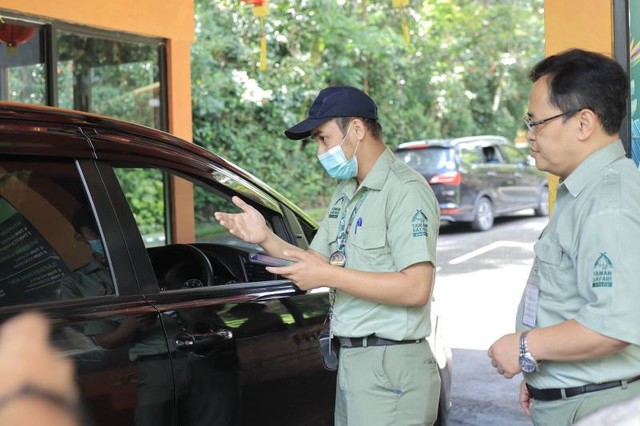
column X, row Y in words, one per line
column 161, row 332
column 478, row 178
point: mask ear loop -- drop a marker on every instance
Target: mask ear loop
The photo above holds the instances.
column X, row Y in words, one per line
column 345, row 138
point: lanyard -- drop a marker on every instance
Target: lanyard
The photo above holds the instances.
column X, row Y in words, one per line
column 344, row 226
column 338, row 257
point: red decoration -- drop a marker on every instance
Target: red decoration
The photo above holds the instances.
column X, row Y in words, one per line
column 13, row 35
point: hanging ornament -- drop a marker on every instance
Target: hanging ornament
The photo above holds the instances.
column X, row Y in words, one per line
column 403, row 4
column 13, row 35
column 261, row 11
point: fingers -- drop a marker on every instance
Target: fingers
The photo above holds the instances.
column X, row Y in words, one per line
column 239, row 202
column 25, row 329
column 525, row 398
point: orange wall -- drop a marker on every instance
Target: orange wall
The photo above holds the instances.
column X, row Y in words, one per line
column 172, row 20
column 158, row 18
column 586, row 24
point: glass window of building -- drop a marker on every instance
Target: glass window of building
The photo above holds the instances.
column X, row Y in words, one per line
column 22, row 64
column 109, row 77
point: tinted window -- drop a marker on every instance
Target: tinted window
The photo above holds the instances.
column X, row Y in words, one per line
column 428, row 159
column 50, row 245
column 146, row 192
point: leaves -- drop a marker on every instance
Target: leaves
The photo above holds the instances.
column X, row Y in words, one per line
column 465, row 72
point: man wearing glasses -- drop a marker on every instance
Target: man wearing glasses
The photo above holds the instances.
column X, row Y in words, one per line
column 578, row 338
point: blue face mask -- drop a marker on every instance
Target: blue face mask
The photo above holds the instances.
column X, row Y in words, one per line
column 97, row 247
column 335, row 162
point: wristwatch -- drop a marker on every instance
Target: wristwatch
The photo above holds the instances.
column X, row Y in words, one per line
column 528, row 364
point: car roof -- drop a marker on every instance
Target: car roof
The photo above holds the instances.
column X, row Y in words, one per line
column 138, row 141
column 451, row 142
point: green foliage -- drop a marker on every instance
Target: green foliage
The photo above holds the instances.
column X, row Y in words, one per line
column 464, row 72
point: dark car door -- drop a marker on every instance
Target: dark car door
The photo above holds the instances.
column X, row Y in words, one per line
column 241, row 341
column 500, row 176
column 63, row 253
column 529, row 179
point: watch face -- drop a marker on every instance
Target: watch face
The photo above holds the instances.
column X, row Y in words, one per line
column 528, row 365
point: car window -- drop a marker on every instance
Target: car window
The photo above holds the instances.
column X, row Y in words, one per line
column 50, row 244
column 491, row 154
column 147, row 194
column 434, row 159
column 513, row 154
column 471, row 154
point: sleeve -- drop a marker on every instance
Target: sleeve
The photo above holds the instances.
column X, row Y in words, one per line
column 413, row 224
column 609, row 275
column 321, row 240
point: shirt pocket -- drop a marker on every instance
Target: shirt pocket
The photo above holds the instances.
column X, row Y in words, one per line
column 549, row 252
column 555, row 267
column 370, row 248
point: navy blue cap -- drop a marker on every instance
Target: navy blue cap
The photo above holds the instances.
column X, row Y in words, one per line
column 332, row 102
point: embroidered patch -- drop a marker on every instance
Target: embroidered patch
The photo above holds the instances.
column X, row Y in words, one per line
column 337, row 206
column 420, row 224
column 603, row 272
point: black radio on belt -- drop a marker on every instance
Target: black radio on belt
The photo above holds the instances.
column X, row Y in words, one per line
column 328, row 350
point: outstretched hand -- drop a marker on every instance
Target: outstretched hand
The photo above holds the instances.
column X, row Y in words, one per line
column 249, row 225
column 309, row 271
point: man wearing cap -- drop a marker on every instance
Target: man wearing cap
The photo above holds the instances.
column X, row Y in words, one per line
column 376, row 249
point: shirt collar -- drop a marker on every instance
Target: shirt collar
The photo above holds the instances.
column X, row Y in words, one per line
column 589, row 169
column 376, row 177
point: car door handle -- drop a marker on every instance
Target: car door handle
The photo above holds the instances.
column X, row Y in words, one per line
column 188, row 341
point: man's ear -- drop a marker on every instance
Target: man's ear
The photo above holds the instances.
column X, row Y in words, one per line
column 588, row 122
column 359, row 128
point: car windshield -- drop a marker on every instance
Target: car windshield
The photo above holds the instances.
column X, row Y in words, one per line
column 433, row 159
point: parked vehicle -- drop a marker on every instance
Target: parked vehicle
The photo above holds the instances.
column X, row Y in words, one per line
column 161, row 332
column 478, row 178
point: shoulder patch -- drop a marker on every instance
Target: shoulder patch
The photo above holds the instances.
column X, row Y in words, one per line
column 602, row 272
column 420, row 224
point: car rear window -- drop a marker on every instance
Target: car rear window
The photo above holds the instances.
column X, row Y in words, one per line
column 429, row 159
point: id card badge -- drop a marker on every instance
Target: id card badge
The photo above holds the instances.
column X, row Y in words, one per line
column 531, row 293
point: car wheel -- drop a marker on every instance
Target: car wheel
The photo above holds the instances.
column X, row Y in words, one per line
column 483, row 220
column 543, row 203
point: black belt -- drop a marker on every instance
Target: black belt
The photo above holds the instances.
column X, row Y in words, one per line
column 553, row 394
column 363, row 342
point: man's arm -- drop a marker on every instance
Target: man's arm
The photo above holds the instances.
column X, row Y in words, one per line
column 571, row 341
column 410, row 287
column 565, row 342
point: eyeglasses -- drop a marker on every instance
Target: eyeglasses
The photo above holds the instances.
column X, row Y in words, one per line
column 531, row 124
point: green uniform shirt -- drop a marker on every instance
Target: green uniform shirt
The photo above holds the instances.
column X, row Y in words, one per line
column 588, row 267
column 395, row 226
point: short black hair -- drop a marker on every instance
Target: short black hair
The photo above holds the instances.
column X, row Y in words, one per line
column 372, row 125
column 586, row 80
